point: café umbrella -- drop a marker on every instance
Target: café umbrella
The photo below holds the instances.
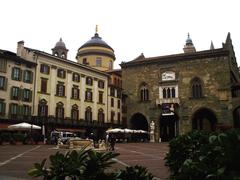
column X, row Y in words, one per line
column 23, row 126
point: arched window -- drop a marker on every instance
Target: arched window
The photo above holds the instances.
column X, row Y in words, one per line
column 173, row 92
column 144, row 93
column 59, row 111
column 168, row 93
column 74, row 112
column 196, row 88
column 100, row 116
column 164, row 93
column 42, row 108
column 88, row 114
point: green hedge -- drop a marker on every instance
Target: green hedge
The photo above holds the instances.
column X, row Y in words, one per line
column 199, row 155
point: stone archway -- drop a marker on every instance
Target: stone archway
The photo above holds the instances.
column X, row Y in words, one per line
column 204, row 119
column 139, row 121
column 169, row 126
column 236, row 117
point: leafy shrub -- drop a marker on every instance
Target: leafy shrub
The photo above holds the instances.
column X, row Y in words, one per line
column 134, row 173
column 86, row 165
column 218, row 158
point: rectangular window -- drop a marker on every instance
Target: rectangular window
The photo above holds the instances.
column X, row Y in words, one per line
column 119, row 93
column 27, row 76
column 100, row 97
column 16, row 74
column 119, row 104
column 76, row 77
column 60, row 90
column 85, row 61
column 2, row 108
column 112, row 102
column 75, row 93
column 15, row 93
column 3, row 65
column 61, row 73
column 88, row 95
column 13, row 109
column 44, row 85
column 101, row 84
column 112, row 116
column 89, row 81
column 3, row 83
column 112, row 91
column 99, row 62
column 27, row 95
column 26, row 110
column 45, row 69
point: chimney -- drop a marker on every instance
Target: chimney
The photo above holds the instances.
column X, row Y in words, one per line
column 20, row 47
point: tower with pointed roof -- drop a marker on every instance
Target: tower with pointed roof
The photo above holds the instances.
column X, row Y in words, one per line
column 96, row 53
column 189, row 47
column 60, row 49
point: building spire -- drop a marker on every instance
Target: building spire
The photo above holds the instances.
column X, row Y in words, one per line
column 211, row 46
column 96, row 29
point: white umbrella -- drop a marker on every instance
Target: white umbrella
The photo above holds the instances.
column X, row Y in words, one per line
column 115, row 130
column 23, row 126
column 128, row 131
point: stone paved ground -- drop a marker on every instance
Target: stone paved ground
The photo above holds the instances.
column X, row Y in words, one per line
column 16, row 160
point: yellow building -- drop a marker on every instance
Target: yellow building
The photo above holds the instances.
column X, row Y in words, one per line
column 97, row 54
column 16, row 88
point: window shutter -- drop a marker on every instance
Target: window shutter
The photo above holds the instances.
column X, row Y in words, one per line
column 48, row 69
column 63, row 90
column 57, row 89
column 31, row 77
column 20, row 94
column 4, row 108
column 20, row 74
column 30, row 111
column 30, row 96
column 13, row 73
column 10, row 109
column 24, row 76
column 5, row 84
column 78, row 93
column 46, row 110
column 19, row 110
column 11, row 93
column 41, row 68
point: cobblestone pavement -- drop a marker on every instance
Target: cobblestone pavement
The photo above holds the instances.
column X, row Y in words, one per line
column 16, row 160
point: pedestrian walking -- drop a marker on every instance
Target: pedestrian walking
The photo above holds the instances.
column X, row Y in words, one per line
column 112, row 142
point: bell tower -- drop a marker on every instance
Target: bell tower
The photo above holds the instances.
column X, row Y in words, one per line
column 60, row 49
column 189, row 47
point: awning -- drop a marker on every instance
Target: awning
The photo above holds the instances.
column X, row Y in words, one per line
column 70, row 130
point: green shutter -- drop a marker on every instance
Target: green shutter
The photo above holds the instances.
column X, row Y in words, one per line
column 31, row 77
column 10, row 109
column 24, row 76
column 30, row 96
column 20, row 75
column 30, row 111
column 20, row 94
column 11, row 93
column 13, row 73
column 4, row 109
column 5, row 84
column 19, row 110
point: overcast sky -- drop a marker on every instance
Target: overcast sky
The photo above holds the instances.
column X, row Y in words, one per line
column 130, row 27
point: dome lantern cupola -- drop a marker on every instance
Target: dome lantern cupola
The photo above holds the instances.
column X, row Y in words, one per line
column 60, row 49
column 189, row 47
column 96, row 53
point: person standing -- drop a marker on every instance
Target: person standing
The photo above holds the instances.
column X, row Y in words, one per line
column 112, row 142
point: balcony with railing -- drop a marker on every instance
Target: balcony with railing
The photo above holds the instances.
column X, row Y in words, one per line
column 167, row 101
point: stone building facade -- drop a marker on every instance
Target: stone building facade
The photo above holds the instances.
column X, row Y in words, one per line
column 181, row 92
